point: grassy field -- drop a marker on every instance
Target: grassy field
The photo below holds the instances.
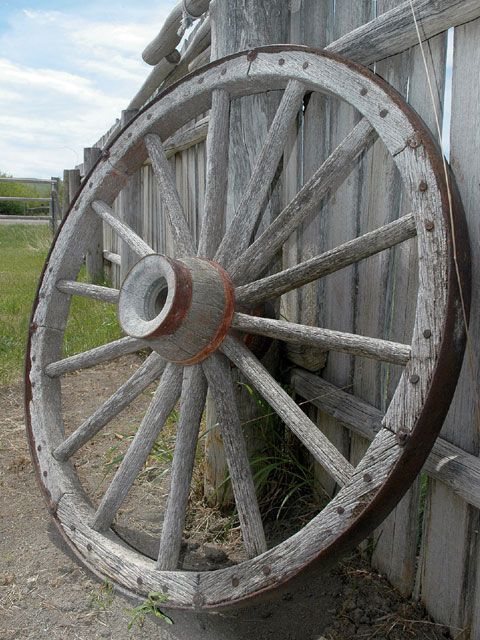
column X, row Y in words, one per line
column 23, row 250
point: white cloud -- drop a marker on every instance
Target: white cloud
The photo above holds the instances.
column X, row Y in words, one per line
column 65, row 78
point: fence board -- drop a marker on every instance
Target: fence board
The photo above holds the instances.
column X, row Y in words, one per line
column 449, row 552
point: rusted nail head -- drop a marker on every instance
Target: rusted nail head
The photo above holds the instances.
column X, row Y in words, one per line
column 251, row 55
column 235, row 581
column 340, row 510
column 423, row 186
column 383, row 113
column 427, row 333
column 402, row 436
column 429, row 225
column 39, row 448
column 149, row 116
column 89, row 547
column 414, row 378
column 45, row 474
column 281, row 62
column 267, row 569
column 367, row 477
column 363, row 91
column 413, row 142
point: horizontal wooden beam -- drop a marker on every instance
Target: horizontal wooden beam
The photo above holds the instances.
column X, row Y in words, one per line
column 456, row 468
column 114, row 258
column 183, row 140
column 21, row 199
column 394, row 31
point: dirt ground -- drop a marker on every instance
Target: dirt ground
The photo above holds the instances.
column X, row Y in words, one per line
column 44, row 594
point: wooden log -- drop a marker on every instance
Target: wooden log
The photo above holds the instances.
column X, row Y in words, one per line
column 181, row 234
column 248, row 210
column 218, row 374
column 351, row 343
column 92, row 357
column 140, row 247
column 154, row 80
column 192, row 403
column 197, row 43
column 449, row 464
column 342, row 256
column 394, row 31
column 94, row 257
column 163, row 402
column 93, row 291
column 149, row 371
column 308, row 433
column 114, row 258
column 168, row 37
column 327, row 177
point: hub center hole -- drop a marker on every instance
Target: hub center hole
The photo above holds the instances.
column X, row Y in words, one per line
column 155, row 298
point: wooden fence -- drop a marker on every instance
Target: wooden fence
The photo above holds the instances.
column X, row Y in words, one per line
column 428, row 547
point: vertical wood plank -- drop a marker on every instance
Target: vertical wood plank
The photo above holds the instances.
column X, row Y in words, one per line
column 448, row 584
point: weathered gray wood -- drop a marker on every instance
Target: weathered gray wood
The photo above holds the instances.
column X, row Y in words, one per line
column 114, row 258
column 449, row 464
column 107, row 214
column 94, row 291
column 394, row 31
column 449, row 588
column 218, row 374
column 71, row 184
column 218, row 140
column 202, row 59
column 92, row 357
column 182, row 237
column 248, row 210
column 154, row 80
column 346, row 254
column 197, row 43
column 318, row 445
column 129, row 204
column 327, row 177
column 187, row 138
column 163, row 402
column 149, row 371
column 192, row 403
column 168, row 37
column 94, row 257
column 335, row 340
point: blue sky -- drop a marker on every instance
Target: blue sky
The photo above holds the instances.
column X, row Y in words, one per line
column 67, row 69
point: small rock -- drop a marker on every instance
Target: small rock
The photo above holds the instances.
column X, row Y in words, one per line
column 6, row 579
column 214, row 554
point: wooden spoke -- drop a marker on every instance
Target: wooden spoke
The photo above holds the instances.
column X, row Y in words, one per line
column 163, row 402
column 169, row 194
column 328, row 262
column 307, row 432
column 133, row 387
column 95, row 356
column 248, row 210
column 87, row 290
column 356, row 345
column 220, row 382
column 328, row 177
column 194, row 393
column 139, row 246
column 218, row 141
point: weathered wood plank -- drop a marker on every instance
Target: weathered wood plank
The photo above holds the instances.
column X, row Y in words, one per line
column 92, row 357
column 127, row 234
column 114, row 258
column 94, row 257
column 449, row 588
column 335, row 340
column 149, row 371
column 192, row 403
column 163, row 402
column 309, row 434
column 93, row 291
column 333, row 260
column 218, row 374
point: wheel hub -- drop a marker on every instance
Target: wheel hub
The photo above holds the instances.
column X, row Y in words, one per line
column 182, row 307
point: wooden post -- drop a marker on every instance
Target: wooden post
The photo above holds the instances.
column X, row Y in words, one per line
column 236, row 27
column 71, row 185
column 94, row 257
column 130, row 207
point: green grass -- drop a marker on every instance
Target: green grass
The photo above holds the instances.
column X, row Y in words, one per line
column 23, row 250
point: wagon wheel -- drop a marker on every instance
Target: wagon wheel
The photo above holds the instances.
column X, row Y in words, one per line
column 184, row 308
